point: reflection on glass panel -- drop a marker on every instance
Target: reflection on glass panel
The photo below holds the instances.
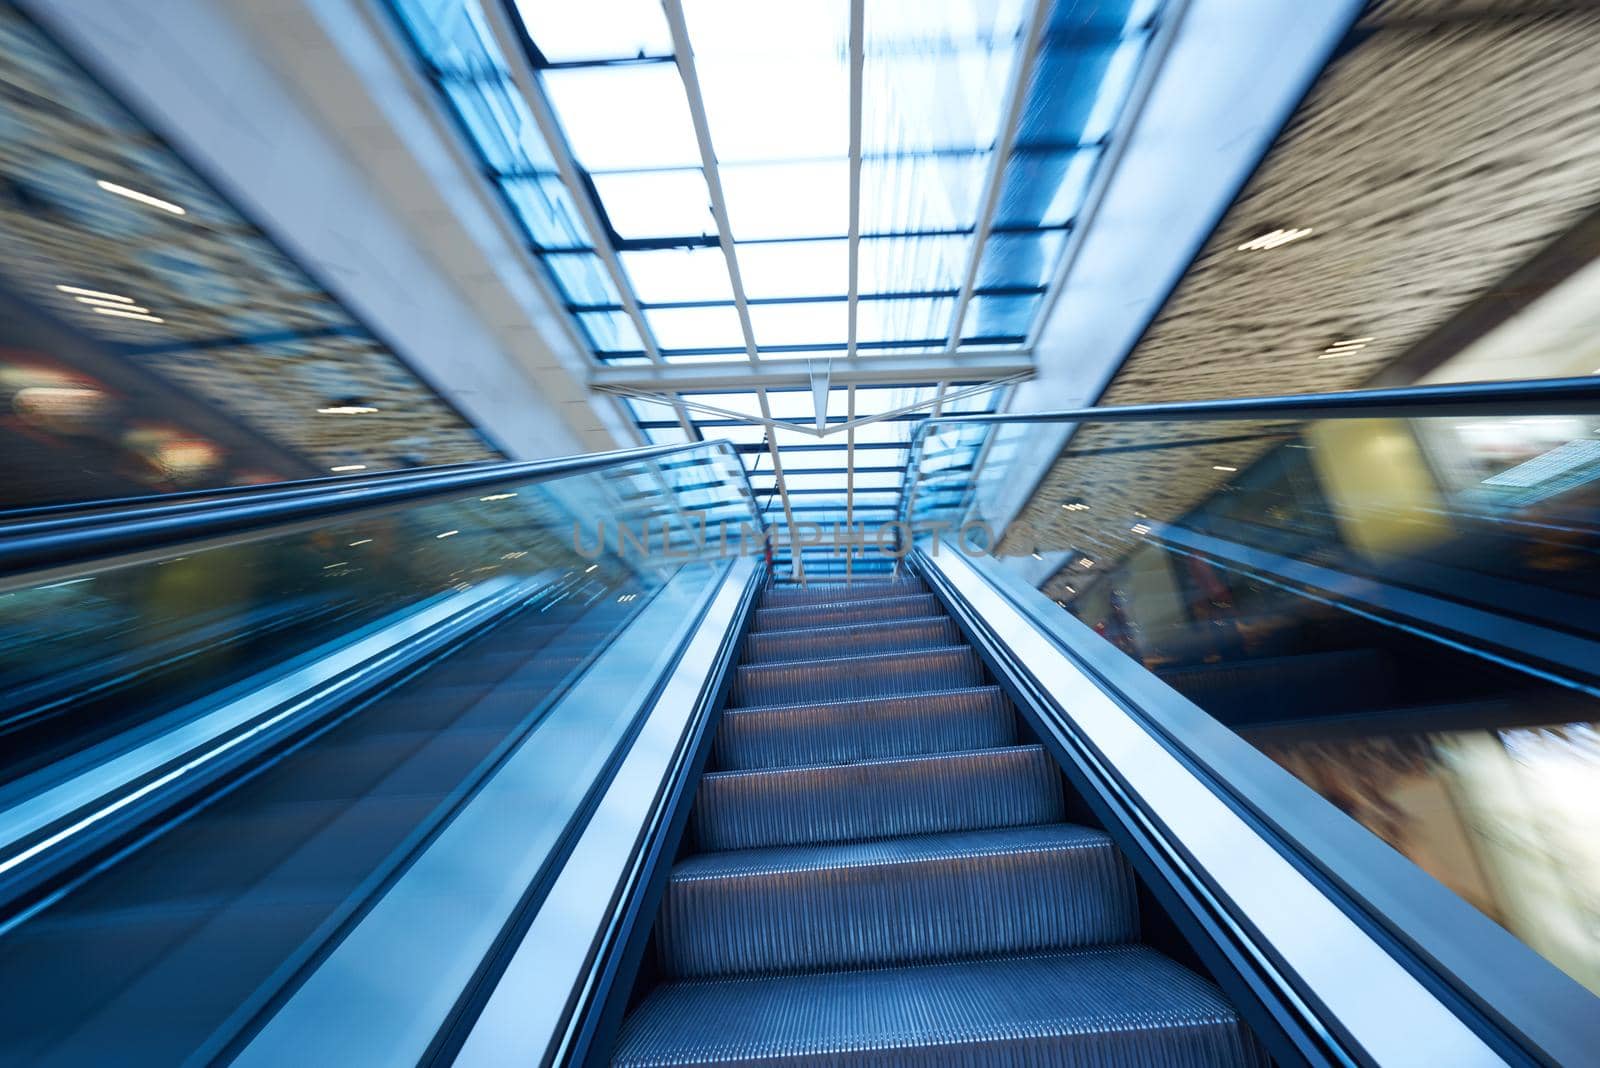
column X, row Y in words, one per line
column 921, row 193
column 787, row 200
column 795, row 268
column 921, row 318
column 1017, row 260
column 1402, row 613
column 545, row 206
column 500, row 124
column 1044, row 188
column 582, row 278
column 624, row 118
column 1000, row 316
column 678, row 274
column 913, row 264
column 1114, row 89
column 934, row 74
column 694, row 328
column 805, row 323
column 610, row 330
column 111, row 677
column 669, row 203
column 596, row 29
column 753, row 58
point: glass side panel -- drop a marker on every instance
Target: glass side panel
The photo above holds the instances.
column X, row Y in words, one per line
column 1404, row 613
column 120, row 673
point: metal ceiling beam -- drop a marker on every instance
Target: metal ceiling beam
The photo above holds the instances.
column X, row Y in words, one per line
column 1016, row 102
column 907, row 370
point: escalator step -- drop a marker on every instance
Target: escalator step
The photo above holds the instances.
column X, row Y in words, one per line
column 834, row 593
column 1087, row 1008
column 878, row 799
column 852, row 640
column 837, row 615
column 840, row 731
column 934, row 897
column 844, row 678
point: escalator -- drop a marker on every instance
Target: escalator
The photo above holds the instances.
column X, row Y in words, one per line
column 448, row 784
column 883, row 872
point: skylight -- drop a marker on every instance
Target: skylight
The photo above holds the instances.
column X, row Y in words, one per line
column 615, row 128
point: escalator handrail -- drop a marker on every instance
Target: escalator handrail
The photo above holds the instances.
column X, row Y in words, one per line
column 1550, row 396
column 96, row 532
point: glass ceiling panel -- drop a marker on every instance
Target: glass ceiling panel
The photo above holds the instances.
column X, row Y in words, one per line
column 650, row 204
column 936, row 71
column 774, row 77
column 545, row 207
column 807, row 323
column 911, row 193
column 624, row 118
column 747, row 404
column 787, row 200
column 596, row 29
column 610, row 331
column 582, row 278
column 678, row 274
column 795, row 268
column 753, row 57
column 912, row 264
column 695, row 328
column 896, row 320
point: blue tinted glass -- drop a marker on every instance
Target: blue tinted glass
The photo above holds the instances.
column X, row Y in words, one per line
column 610, row 331
column 1000, row 316
column 582, row 278
column 545, row 206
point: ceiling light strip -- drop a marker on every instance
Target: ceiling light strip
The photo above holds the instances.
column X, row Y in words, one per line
column 1021, row 72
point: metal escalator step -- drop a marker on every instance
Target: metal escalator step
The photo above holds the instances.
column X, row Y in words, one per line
column 845, row 612
column 844, row 678
column 852, row 640
column 840, row 731
column 878, row 799
column 932, row 897
column 1086, row 1008
column 833, row 593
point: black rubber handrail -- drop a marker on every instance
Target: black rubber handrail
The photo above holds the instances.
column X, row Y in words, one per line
column 95, row 531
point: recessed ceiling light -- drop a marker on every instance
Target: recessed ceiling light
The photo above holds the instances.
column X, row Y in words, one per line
column 347, row 409
column 123, row 313
column 363, row 541
column 1140, row 528
column 103, row 302
column 1223, row 467
column 448, row 534
column 80, row 291
column 498, row 497
column 1275, row 238
column 1036, row 556
column 1084, row 561
column 590, row 568
column 348, row 467
column 143, row 198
